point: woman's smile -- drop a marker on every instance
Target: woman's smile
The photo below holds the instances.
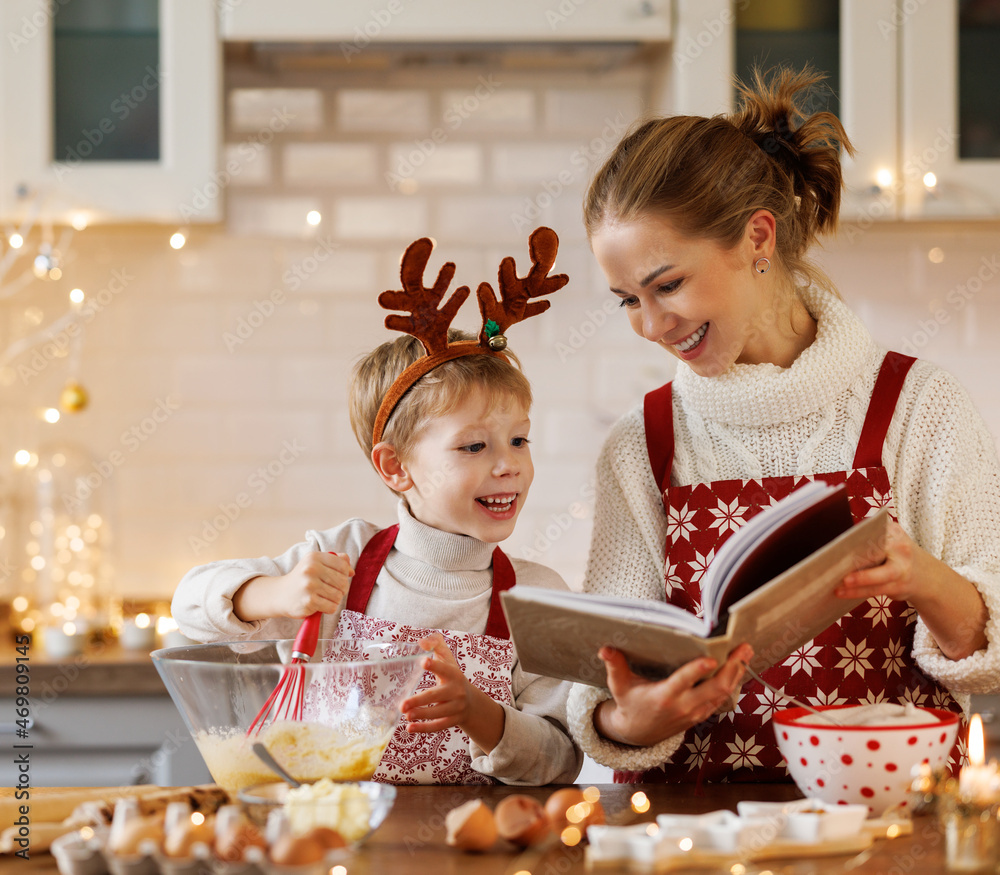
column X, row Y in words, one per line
column 692, row 341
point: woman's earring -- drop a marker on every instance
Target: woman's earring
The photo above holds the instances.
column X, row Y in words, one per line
column 762, row 265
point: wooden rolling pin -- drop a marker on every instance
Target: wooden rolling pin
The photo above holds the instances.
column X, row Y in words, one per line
column 55, row 807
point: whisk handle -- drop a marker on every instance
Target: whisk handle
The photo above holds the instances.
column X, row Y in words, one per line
column 305, row 642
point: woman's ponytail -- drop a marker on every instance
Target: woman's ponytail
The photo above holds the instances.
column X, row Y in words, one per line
column 708, row 175
column 806, row 145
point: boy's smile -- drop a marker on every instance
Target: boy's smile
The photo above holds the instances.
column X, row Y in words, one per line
column 498, row 504
column 471, row 468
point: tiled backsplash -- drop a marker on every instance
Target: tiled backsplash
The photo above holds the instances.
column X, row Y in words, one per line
column 218, row 373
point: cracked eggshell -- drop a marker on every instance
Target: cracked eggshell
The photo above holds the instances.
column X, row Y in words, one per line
column 471, row 827
column 521, row 819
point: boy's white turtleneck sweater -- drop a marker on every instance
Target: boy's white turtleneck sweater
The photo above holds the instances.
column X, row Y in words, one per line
column 764, row 421
column 431, row 580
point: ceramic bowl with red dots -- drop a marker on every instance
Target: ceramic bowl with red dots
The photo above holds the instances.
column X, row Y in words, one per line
column 867, row 765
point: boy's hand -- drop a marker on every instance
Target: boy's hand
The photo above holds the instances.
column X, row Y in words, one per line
column 318, row 582
column 453, row 701
column 448, row 702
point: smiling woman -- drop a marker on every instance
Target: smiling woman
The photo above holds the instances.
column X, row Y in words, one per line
column 700, row 303
column 703, row 228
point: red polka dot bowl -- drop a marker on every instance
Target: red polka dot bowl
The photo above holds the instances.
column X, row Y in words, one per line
column 866, row 765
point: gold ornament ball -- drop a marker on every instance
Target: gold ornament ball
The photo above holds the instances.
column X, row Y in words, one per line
column 497, row 343
column 74, row 398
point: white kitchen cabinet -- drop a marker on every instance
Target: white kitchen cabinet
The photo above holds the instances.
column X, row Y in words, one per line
column 97, row 741
column 61, row 181
column 936, row 138
column 354, row 24
column 899, row 100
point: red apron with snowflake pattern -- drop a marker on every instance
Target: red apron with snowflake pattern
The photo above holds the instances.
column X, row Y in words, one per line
column 486, row 660
column 864, row 657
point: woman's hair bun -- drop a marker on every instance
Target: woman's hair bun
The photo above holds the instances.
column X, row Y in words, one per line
column 775, row 113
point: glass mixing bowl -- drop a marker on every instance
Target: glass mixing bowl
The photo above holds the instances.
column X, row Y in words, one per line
column 350, row 696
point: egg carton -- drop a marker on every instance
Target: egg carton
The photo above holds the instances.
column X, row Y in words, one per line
column 85, row 852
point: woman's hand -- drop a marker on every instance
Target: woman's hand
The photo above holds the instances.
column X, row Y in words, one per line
column 453, row 700
column 898, row 577
column 644, row 712
column 318, row 582
column 949, row 605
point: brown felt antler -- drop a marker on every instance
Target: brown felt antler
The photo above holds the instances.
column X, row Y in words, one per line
column 515, row 292
column 427, row 322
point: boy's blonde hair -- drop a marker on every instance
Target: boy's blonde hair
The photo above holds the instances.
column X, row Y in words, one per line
column 435, row 394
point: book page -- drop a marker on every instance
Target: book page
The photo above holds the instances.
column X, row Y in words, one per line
column 636, row 610
column 772, row 541
column 552, row 637
column 799, row 604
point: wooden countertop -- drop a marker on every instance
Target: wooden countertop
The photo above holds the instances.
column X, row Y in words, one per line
column 412, row 838
column 103, row 669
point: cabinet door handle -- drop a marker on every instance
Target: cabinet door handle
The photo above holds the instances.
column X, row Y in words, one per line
column 14, row 728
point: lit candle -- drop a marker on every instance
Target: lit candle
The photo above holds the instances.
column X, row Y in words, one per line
column 62, row 641
column 138, row 633
column 170, row 635
column 978, row 780
column 969, row 820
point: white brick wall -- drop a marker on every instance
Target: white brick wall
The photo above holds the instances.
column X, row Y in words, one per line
column 257, row 109
column 491, row 146
column 434, row 161
column 489, row 106
column 383, row 109
column 380, row 218
column 323, row 164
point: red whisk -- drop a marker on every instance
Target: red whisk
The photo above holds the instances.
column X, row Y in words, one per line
column 285, row 702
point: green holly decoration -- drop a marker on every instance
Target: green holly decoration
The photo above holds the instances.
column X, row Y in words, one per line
column 491, row 328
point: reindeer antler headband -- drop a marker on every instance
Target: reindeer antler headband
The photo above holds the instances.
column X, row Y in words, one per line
column 429, row 323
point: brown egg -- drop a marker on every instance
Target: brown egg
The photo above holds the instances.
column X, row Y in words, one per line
column 182, row 838
column 231, row 846
column 471, row 827
column 328, row 837
column 521, row 819
column 292, row 850
column 569, row 807
column 559, row 803
column 134, row 834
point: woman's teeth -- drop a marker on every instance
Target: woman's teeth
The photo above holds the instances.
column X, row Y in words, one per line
column 498, row 503
column 693, row 340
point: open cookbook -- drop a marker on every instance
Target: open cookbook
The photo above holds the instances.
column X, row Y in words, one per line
column 770, row 584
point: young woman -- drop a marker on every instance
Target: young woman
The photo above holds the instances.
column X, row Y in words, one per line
column 702, row 227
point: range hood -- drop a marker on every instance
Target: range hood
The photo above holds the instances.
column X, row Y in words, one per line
column 310, row 56
column 355, row 26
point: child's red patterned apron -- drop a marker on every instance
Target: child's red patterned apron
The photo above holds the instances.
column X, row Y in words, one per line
column 865, row 657
column 487, row 661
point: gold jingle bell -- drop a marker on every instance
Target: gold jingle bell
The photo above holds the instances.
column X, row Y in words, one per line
column 73, row 398
column 497, row 343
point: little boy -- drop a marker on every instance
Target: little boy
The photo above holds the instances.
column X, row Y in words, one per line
column 448, row 432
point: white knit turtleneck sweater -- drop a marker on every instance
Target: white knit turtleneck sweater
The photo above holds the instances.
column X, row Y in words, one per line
column 431, row 580
column 765, row 421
